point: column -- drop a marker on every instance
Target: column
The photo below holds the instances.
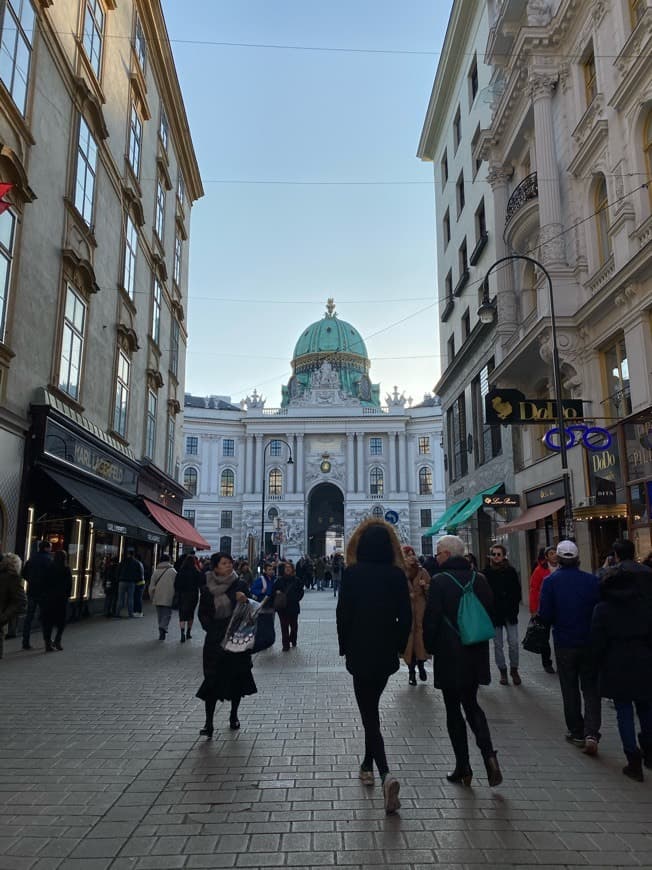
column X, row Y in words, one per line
column 291, row 469
column 300, row 464
column 402, row 461
column 249, row 464
column 553, row 251
column 258, row 470
column 502, row 281
column 360, row 485
column 350, row 463
column 412, row 463
column 393, row 484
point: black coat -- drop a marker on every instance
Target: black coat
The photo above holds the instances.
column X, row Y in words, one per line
column 621, row 636
column 455, row 666
column 186, row 588
column 293, row 588
column 37, row 572
column 374, row 618
column 506, row 588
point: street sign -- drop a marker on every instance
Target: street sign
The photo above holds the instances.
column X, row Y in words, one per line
column 391, row 517
column 501, row 500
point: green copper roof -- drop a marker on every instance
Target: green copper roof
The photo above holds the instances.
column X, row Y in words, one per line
column 330, row 335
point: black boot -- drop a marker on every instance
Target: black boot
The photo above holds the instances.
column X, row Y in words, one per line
column 645, row 742
column 634, row 766
column 161, row 634
column 183, row 636
column 412, row 679
column 462, row 774
column 423, row 674
column 494, row 776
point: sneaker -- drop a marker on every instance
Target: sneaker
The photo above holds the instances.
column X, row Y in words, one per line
column 138, row 615
column 391, row 788
column 590, row 746
column 366, row 776
column 576, row 741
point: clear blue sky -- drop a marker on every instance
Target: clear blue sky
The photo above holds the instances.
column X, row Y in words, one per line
column 265, row 114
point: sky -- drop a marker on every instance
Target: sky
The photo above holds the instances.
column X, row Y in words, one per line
column 292, row 143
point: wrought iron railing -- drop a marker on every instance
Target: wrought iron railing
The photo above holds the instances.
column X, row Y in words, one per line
column 527, row 190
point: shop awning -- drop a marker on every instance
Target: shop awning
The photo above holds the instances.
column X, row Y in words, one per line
column 471, row 507
column 528, row 519
column 178, row 526
column 108, row 510
column 444, row 520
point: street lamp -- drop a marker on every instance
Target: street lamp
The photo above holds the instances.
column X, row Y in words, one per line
column 262, row 518
column 487, row 314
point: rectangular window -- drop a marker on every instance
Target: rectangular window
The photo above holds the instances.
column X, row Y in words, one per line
column 426, row 546
column 17, row 31
column 466, row 325
column 228, row 447
column 275, row 449
column 181, row 191
column 7, row 236
column 169, row 453
column 376, row 446
column 150, row 427
column 616, row 370
column 156, row 310
column 480, row 222
column 135, row 139
column 444, row 169
column 424, row 445
column 131, row 254
column 192, row 445
column 473, row 81
column 459, row 192
column 159, row 217
column 226, row 520
column 190, row 516
column 590, row 80
column 174, row 347
column 636, row 11
column 488, row 439
column 447, row 228
column 458, row 462
column 72, row 343
column 121, row 395
column 426, row 518
column 449, row 286
column 86, row 172
column 463, row 256
column 93, row 34
column 178, row 256
column 451, row 349
column 164, row 129
column 140, row 45
column 476, row 160
column 457, row 129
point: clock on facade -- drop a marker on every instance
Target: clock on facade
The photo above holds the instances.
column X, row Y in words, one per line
column 325, row 466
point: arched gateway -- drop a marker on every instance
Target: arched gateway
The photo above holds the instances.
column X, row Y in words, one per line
column 325, row 519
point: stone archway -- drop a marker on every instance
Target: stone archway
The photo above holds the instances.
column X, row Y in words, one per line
column 325, row 518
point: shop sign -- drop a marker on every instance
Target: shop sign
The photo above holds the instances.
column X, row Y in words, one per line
column 543, row 494
column 638, row 448
column 512, row 408
column 501, row 500
column 592, row 438
column 116, row 529
column 68, row 447
column 604, row 475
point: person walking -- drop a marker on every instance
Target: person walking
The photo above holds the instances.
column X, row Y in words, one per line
column 13, row 600
column 414, row 654
column 506, row 588
column 621, row 637
column 131, row 572
column 320, row 573
column 546, row 564
column 263, row 585
column 54, row 601
column 139, row 588
column 161, row 593
column 459, row 670
column 110, row 585
column 373, row 623
column 37, row 573
column 338, row 568
column 227, row 675
column 568, row 597
column 292, row 588
column 187, row 583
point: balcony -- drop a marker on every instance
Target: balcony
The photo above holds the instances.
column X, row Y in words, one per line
column 525, row 192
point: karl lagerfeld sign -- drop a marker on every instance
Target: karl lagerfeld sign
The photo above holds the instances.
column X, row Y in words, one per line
column 512, row 408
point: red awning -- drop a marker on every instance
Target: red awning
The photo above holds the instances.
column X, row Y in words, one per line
column 528, row 519
column 178, row 526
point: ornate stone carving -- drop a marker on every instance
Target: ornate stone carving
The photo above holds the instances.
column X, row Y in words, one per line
column 499, row 174
column 325, row 376
column 254, row 401
column 541, row 85
column 394, row 400
column 539, row 13
column 551, row 244
column 626, row 295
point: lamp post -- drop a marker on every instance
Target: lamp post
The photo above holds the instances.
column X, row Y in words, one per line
column 262, row 517
column 486, row 314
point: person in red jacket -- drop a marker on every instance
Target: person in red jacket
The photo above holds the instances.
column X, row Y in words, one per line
column 546, row 564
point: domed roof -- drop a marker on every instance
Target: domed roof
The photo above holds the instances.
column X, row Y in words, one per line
column 330, row 335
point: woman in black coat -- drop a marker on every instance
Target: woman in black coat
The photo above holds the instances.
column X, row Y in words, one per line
column 186, row 587
column 227, row 675
column 292, row 588
column 459, row 670
column 54, row 602
column 374, row 618
column 621, row 634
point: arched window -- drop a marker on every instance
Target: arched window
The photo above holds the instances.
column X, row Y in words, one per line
column 647, row 149
column 225, row 544
column 601, row 209
column 190, row 480
column 376, row 481
column 275, row 482
column 227, row 483
column 425, row 481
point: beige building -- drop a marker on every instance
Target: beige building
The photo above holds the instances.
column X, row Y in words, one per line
column 95, row 142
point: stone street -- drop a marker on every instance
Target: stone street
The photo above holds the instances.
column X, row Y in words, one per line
column 102, row 767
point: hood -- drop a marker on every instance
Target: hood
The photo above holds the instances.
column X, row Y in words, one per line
column 618, row 585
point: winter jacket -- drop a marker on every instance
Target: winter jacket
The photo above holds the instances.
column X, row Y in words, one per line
column 536, row 582
column 418, row 588
column 374, row 618
column 568, row 597
column 454, row 665
column 12, row 597
column 621, row 635
column 260, row 589
column 186, row 585
column 56, row 593
column 37, row 572
column 293, row 588
column 131, row 571
column 506, row 588
column 161, row 586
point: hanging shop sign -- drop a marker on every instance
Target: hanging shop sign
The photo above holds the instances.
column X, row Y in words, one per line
column 604, row 475
column 512, row 408
column 592, row 438
column 638, row 449
column 503, row 500
column 543, row 494
column 74, row 450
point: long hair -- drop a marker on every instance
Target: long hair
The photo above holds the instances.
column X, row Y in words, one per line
column 373, row 526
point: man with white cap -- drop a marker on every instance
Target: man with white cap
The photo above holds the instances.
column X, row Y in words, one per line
column 568, row 597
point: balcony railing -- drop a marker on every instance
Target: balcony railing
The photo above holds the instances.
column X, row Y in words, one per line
column 527, row 190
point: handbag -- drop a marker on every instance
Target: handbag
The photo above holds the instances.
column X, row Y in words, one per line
column 280, row 600
column 536, row 636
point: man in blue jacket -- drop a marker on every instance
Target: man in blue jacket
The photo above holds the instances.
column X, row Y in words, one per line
column 568, row 597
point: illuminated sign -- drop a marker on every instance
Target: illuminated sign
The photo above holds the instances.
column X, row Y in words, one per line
column 511, row 407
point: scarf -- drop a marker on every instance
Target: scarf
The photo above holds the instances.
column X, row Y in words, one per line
column 218, row 587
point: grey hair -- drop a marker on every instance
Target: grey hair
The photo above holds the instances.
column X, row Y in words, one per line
column 453, row 544
column 12, row 562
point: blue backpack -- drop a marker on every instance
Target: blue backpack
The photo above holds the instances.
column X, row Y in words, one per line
column 474, row 624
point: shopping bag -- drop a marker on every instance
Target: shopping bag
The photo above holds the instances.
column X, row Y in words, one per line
column 240, row 634
column 536, row 636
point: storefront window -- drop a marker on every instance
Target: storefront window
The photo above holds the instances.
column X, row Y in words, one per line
column 616, row 372
column 638, row 503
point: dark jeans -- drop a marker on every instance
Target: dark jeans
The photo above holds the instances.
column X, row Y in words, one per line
column 467, row 700
column 627, row 726
column 289, row 628
column 110, row 600
column 138, row 598
column 577, row 673
column 49, row 624
column 32, row 605
column 367, row 694
column 126, row 597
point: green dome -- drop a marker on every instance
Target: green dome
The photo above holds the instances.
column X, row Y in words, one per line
column 330, row 335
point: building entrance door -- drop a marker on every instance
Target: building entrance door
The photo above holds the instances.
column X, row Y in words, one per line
column 325, row 520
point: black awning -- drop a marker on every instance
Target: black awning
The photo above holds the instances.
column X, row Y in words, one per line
column 108, row 510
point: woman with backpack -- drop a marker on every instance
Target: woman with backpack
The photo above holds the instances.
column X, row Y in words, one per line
column 461, row 667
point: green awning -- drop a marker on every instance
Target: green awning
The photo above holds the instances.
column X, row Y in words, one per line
column 472, row 506
column 445, row 518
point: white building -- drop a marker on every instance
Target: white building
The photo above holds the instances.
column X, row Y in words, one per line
column 351, row 457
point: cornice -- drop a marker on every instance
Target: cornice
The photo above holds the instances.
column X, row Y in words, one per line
column 633, row 64
column 591, row 136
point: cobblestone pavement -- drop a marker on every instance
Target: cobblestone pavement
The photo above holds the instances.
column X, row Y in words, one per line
column 101, row 767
